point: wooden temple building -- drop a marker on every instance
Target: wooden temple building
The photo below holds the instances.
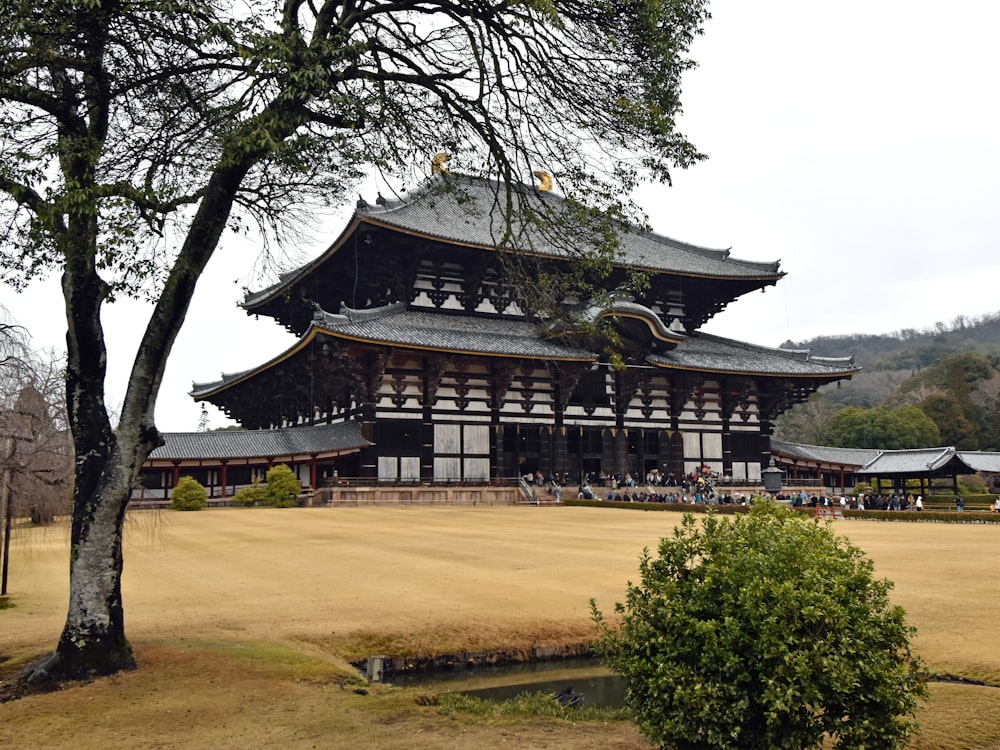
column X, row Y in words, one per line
column 412, row 341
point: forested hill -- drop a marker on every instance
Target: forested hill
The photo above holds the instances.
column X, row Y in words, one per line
column 917, row 389
column 910, row 349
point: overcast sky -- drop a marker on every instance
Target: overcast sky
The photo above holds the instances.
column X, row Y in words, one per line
column 856, row 142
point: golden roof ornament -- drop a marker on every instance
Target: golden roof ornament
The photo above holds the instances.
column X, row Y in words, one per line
column 545, row 180
column 437, row 163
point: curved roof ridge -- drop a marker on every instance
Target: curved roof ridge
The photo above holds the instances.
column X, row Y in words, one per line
column 356, row 315
column 626, row 307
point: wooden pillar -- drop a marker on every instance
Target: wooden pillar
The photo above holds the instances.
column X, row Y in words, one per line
column 370, row 381
column 496, row 447
column 565, row 377
column 621, row 451
column 608, row 449
column 224, row 478
column 501, row 378
column 559, row 452
column 558, row 441
column 626, row 384
column 732, row 393
column 664, row 463
column 369, row 457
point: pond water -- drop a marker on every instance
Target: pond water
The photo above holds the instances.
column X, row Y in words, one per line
column 585, row 676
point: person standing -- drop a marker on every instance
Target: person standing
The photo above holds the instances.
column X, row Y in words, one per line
column 919, row 503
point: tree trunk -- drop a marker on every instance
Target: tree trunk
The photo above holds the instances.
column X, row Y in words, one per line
column 93, row 639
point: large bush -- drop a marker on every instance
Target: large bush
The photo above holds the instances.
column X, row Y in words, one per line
column 252, row 495
column 283, row 487
column 189, row 494
column 763, row 631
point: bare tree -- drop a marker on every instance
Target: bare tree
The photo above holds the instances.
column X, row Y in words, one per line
column 806, row 422
column 133, row 134
column 41, row 464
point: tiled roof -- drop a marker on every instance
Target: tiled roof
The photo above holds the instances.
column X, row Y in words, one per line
column 706, row 353
column 824, row 454
column 471, row 212
column 928, row 461
column 289, row 441
column 915, row 460
column 394, row 324
column 912, row 462
column 982, row 461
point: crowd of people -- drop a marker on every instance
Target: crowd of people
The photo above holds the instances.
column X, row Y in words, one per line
column 659, row 487
column 700, row 488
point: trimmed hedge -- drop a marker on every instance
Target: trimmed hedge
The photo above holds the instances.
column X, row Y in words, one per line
column 924, row 516
column 909, row 516
column 675, row 507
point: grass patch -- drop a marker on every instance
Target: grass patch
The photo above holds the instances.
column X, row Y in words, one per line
column 276, row 660
column 528, row 705
column 959, row 717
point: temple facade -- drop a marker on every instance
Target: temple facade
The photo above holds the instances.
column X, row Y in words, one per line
column 409, row 327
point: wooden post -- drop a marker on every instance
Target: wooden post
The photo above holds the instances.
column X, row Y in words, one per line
column 6, row 506
column 8, row 454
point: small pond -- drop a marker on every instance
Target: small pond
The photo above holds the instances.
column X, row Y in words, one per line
column 586, row 676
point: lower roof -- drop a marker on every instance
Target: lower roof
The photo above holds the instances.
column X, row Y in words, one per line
column 400, row 327
column 320, row 441
column 823, row 454
column 930, row 461
column 914, row 462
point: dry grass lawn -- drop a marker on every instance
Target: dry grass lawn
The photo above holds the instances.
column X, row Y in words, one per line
column 243, row 620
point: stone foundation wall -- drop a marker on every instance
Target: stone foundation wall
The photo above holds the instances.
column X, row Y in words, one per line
column 421, row 495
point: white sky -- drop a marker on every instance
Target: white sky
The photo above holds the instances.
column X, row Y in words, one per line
column 857, row 142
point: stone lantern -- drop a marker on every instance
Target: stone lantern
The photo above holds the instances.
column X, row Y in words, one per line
column 772, row 478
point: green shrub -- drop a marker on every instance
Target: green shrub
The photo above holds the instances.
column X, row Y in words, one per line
column 763, row 630
column 250, row 495
column 283, row 487
column 189, row 494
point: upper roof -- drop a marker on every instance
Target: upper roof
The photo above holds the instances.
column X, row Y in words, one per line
column 328, row 439
column 470, row 211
